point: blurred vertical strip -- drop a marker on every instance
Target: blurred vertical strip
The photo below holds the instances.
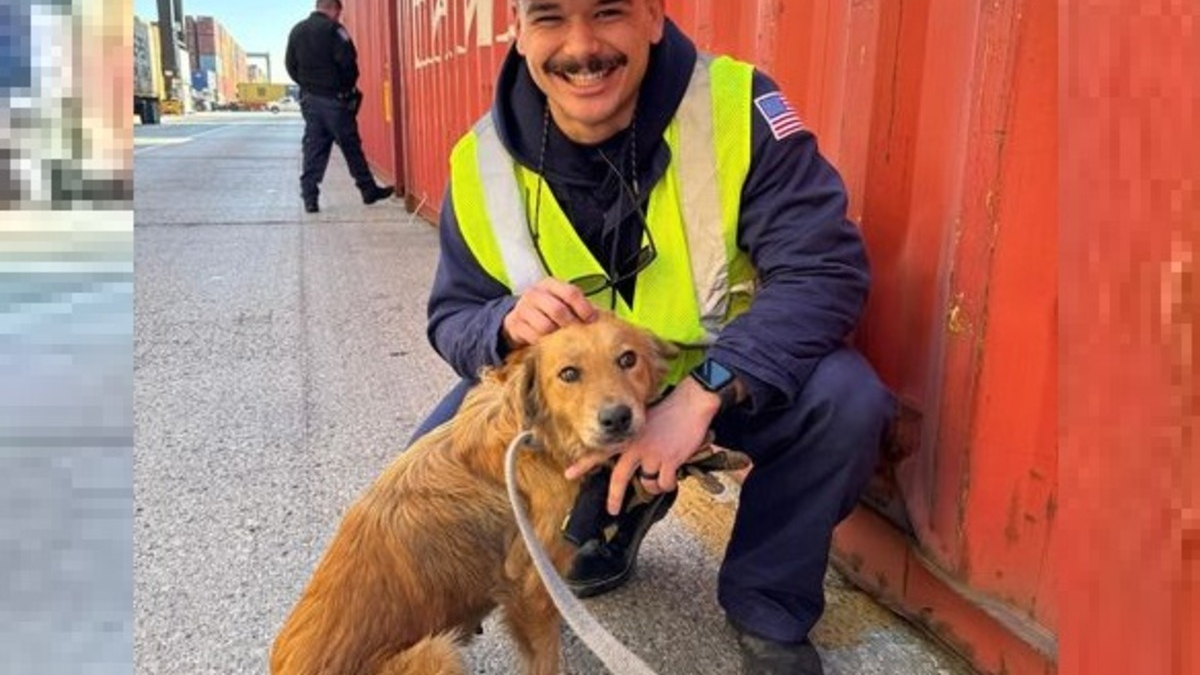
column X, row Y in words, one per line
column 1130, row 574
column 66, row 316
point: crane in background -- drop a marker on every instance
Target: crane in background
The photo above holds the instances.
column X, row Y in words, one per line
column 266, row 58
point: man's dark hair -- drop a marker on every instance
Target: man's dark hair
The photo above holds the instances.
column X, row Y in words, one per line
column 329, row 4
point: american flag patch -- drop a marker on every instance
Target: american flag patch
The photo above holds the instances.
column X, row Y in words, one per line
column 779, row 114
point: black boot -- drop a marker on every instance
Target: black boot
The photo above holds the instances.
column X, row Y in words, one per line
column 375, row 193
column 767, row 657
column 603, row 564
column 310, row 205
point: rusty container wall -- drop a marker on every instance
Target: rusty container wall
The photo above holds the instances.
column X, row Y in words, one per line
column 450, row 55
column 373, row 27
column 940, row 114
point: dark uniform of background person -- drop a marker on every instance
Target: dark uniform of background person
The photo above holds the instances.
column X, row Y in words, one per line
column 321, row 59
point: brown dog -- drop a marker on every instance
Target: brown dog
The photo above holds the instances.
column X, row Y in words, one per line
column 432, row 547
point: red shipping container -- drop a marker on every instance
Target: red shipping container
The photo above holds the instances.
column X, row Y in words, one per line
column 373, row 27
column 450, row 54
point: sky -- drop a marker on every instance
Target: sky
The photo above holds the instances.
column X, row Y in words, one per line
column 257, row 25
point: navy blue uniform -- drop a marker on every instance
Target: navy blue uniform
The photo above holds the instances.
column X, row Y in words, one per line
column 816, row 410
column 321, row 58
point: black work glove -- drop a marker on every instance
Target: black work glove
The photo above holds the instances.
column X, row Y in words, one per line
column 589, row 517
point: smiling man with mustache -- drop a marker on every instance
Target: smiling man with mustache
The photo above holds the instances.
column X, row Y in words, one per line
column 590, row 74
column 621, row 168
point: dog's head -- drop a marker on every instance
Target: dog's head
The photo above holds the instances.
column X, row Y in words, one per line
column 585, row 387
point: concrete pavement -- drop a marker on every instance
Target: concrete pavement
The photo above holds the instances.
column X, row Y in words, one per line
column 280, row 361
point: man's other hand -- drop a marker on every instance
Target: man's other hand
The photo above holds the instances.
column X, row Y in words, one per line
column 675, row 429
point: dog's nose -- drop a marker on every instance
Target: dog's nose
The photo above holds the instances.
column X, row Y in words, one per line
column 615, row 419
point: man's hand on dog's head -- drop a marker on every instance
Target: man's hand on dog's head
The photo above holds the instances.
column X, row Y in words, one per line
column 542, row 309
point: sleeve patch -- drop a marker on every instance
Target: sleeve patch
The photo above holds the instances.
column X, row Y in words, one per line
column 779, row 114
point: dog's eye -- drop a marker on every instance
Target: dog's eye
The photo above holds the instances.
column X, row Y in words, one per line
column 627, row 360
column 569, row 374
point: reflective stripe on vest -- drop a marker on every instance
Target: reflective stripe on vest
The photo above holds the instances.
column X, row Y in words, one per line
column 484, row 182
column 708, row 165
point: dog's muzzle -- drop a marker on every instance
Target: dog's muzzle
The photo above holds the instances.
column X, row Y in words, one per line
column 616, row 422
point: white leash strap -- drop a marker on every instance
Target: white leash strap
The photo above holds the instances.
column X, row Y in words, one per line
column 614, row 655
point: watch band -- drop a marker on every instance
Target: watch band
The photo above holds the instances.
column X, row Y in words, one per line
column 729, row 395
column 718, row 379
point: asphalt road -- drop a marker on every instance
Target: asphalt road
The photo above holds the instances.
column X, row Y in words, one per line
column 280, row 362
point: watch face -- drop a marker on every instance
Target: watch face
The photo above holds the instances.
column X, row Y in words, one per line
column 713, row 375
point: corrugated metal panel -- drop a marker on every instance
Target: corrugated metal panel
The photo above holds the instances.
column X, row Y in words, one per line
column 450, row 54
column 1012, row 477
column 373, row 26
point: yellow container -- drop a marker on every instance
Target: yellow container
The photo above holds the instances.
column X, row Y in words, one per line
column 260, row 92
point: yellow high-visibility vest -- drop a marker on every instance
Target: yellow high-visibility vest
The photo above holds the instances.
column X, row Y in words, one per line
column 700, row 279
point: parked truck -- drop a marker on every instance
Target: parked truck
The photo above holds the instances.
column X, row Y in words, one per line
column 146, row 95
column 259, row 95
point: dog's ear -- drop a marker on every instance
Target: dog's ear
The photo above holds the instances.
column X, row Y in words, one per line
column 665, row 350
column 531, row 393
column 662, row 352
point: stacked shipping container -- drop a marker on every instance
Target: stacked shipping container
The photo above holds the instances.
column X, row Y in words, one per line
column 213, row 49
column 942, row 116
column 156, row 58
column 233, row 63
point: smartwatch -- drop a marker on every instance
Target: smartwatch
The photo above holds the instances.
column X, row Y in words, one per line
column 718, row 379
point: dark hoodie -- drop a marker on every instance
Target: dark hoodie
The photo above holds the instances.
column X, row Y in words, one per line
column 321, row 57
column 811, row 265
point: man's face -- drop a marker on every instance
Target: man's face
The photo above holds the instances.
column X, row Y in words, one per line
column 589, row 58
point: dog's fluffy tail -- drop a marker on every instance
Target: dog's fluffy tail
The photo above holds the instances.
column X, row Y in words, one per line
column 433, row 655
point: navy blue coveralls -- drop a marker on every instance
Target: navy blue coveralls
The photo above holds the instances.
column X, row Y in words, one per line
column 321, row 59
column 816, row 410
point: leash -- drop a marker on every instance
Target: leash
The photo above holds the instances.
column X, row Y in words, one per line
column 612, row 653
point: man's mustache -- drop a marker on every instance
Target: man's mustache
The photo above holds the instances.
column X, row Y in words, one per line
column 594, row 64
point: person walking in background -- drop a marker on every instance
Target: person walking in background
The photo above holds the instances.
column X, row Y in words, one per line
column 621, row 168
column 321, row 59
